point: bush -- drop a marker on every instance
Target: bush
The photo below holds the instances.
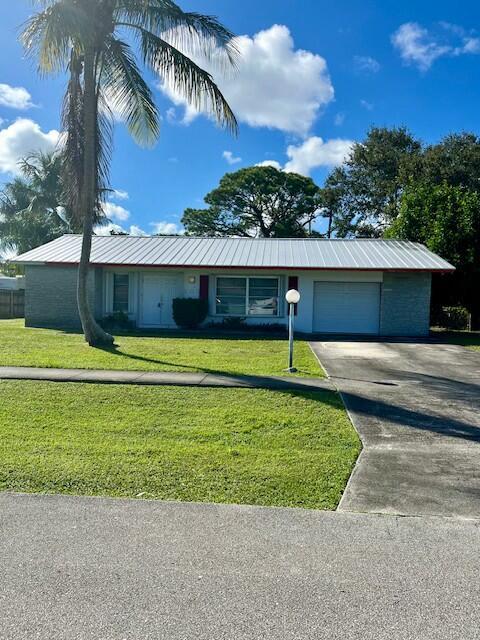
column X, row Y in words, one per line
column 189, row 313
column 232, row 323
column 239, row 324
column 456, row 318
column 117, row 321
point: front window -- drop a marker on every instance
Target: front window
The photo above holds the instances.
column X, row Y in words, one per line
column 263, row 297
column 231, row 296
column 120, row 292
column 247, row 296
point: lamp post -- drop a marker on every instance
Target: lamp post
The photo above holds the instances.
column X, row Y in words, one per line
column 292, row 297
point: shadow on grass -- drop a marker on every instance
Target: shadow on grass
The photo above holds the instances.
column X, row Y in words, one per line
column 201, row 334
column 253, row 380
column 379, row 408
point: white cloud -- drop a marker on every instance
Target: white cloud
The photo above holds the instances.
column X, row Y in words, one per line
column 420, row 47
column 21, row 139
column 230, row 158
column 270, row 163
column 171, row 115
column 366, row 105
column 115, row 212
column 366, row 64
column 339, row 119
column 315, row 152
column 137, row 231
column 275, row 86
column 133, row 230
column 166, row 228
column 15, row 97
column 119, row 194
column 471, row 45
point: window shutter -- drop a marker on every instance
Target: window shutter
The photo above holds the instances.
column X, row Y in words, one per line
column 293, row 284
column 204, row 287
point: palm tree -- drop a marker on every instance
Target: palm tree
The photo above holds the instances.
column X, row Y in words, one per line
column 32, row 208
column 92, row 40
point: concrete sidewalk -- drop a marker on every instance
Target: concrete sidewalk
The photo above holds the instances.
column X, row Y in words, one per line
column 169, row 378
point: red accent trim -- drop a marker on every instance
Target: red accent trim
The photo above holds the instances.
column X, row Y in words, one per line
column 219, row 268
column 204, row 287
column 293, row 284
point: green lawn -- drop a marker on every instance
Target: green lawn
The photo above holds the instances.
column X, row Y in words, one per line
column 249, row 356
column 175, row 443
column 469, row 339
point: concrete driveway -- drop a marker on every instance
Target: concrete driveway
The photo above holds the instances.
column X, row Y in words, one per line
column 101, row 569
column 417, row 409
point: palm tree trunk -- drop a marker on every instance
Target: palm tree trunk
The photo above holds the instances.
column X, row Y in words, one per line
column 330, row 220
column 94, row 334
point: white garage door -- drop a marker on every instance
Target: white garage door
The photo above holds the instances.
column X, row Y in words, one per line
column 346, row 307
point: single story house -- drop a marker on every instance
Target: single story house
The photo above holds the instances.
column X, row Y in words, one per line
column 361, row 286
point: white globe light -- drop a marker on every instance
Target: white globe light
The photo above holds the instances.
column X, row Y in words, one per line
column 292, row 296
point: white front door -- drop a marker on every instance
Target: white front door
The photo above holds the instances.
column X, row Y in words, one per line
column 158, row 292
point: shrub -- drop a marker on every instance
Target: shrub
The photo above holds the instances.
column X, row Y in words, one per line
column 232, row 323
column 189, row 313
column 239, row 324
column 456, row 318
column 117, row 321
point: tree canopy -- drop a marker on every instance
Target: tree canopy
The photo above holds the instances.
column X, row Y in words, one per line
column 393, row 186
column 362, row 196
column 32, row 206
column 444, row 217
column 257, row 201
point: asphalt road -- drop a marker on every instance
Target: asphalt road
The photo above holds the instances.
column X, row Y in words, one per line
column 416, row 407
column 92, row 568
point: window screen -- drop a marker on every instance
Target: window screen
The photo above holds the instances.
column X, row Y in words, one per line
column 120, row 292
column 263, row 297
column 231, row 296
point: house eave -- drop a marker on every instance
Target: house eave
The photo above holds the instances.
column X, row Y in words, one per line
column 240, row 267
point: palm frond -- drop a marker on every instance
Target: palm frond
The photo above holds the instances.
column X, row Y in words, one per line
column 186, row 78
column 49, row 34
column 128, row 93
column 192, row 33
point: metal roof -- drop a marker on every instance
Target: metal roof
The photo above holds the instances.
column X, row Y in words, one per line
column 215, row 253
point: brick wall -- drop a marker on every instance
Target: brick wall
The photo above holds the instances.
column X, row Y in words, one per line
column 51, row 296
column 405, row 305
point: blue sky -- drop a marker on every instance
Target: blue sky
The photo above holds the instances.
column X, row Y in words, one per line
column 313, row 77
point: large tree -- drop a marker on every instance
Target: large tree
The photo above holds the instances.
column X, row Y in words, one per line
column 257, row 201
column 362, row 196
column 392, row 186
column 32, row 205
column 91, row 40
column 446, row 218
column 455, row 160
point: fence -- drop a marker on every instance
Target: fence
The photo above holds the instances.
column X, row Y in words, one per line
column 12, row 303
